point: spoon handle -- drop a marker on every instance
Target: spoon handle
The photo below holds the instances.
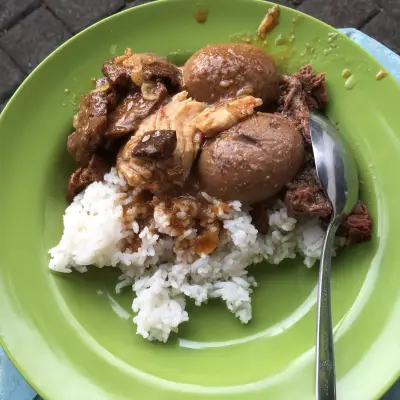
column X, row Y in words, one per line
column 325, row 383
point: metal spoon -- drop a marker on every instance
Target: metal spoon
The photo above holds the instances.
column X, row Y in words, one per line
column 337, row 171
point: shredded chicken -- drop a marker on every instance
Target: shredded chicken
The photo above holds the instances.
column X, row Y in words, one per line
column 303, row 91
column 155, row 174
column 219, row 118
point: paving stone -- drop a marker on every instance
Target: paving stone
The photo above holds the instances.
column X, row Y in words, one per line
column 134, row 3
column 385, row 29
column 2, row 105
column 341, row 13
column 78, row 14
column 12, row 10
column 392, row 7
column 32, row 39
column 288, row 3
column 10, row 76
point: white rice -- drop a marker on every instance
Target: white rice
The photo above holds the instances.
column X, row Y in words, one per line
column 162, row 280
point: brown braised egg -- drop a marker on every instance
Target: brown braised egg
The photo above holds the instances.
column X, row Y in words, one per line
column 253, row 160
column 224, row 71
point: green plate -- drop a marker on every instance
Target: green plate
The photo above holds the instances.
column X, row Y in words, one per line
column 72, row 337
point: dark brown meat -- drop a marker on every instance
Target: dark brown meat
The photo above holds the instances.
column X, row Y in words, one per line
column 156, row 67
column 305, row 195
column 259, row 217
column 301, row 92
column 110, row 147
column 357, row 227
column 159, row 144
column 137, row 68
column 134, row 108
column 90, row 124
column 116, row 74
column 99, row 82
column 84, row 176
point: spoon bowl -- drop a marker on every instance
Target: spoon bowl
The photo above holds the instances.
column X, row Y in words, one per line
column 335, row 165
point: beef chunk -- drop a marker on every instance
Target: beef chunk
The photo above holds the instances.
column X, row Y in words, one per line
column 259, row 217
column 110, row 147
column 84, row 176
column 158, row 144
column 134, row 108
column 90, row 124
column 305, row 195
column 156, row 67
column 99, row 82
column 116, row 73
column 137, row 68
column 357, row 227
column 301, row 92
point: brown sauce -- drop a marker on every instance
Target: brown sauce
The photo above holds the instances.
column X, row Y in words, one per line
column 206, row 243
column 201, row 16
column 186, row 208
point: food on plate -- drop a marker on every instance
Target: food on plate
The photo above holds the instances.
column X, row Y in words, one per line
column 84, row 176
column 177, row 115
column 90, row 123
column 138, row 68
column 253, row 160
column 222, row 116
column 269, row 22
column 305, row 196
column 224, row 71
column 301, row 92
column 184, row 180
column 135, row 107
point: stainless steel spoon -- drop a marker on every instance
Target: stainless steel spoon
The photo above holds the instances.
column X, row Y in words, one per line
column 337, row 171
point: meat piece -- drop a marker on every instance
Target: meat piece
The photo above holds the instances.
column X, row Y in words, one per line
column 269, row 22
column 259, row 217
column 158, row 144
column 300, row 93
column 133, row 109
column 110, row 147
column 116, row 73
column 357, row 227
column 138, row 68
column 226, row 71
column 84, row 176
column 305, row 195
column 99, row 82
column 177, row 115
column 90, row 124
column 156, row 67
column 218, row 118
column 253, row 160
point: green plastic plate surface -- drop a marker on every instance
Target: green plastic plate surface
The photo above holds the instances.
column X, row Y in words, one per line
column 72, row 337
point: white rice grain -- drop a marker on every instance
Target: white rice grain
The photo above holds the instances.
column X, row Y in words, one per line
column 161, row 276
